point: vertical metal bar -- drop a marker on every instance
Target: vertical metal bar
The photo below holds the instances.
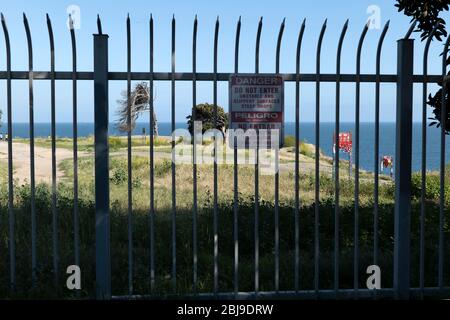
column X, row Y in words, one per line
column 277, row 178
column 336, row 163
column 377, row 146
column 442, row 192
column 216, row 209
column 235, row 176
column 12, row 244
column 53, row 133
column 403, row 157
column 424, row 161
column 297, row 159
column 357, row 128
column 152, row 167
column 410, row 30
column 129, row 161
column 194, row 156
column 258, row 39
column 317, row 168
column 442, row 166
column 32, row 165
column 76, row 222
column 174, row 198
column 102, row 224
column 99, row 25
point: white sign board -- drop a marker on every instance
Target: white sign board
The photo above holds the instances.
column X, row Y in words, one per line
column 256, row 101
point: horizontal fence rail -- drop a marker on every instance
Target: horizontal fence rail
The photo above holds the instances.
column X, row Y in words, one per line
column 100, row 76
column 221, row 76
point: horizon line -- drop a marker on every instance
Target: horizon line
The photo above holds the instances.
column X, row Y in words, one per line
column 86, row 122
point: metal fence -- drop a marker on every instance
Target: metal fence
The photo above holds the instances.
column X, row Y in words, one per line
column 405, row 78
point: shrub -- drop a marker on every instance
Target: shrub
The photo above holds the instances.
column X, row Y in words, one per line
column 158, row 141
column 163, row 256
column 305, row 149
column 117, row 143
column 289, row 141
column 119, row 175
column 137, row 183
column 432, row 186
column 139, row 163
column 416, row 186
column 162, row 168
column 205, row 114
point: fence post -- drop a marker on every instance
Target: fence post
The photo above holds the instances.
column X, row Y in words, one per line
column 403, row 155
column 102, row 225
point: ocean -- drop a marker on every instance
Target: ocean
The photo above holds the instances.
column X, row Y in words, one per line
column 307, row 134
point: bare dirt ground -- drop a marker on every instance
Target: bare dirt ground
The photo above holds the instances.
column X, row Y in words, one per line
column 43, row 161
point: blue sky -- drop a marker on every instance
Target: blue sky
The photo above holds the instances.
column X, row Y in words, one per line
column 113, row 14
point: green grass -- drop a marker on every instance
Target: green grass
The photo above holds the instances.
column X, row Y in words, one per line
column 163, row 223
column 184, row 249
column 3, row 173
column 304, row 148
column 205, row 176
column 86, row 144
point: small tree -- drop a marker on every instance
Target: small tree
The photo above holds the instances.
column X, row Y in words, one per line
column 139, row 102
column 1, row 116
column 205, row 113
column 426, row 13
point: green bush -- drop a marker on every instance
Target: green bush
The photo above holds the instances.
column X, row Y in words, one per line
column 158, row 141
column 304, row 148
column 432, row 186
column 162, row 168
column 307, row 150
column 163, row 236
column 137, row 183
column 117, row 143
column 139, row 163
column 289, row 141
column 119, row 175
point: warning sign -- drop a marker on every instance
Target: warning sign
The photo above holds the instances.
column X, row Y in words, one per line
column 345, row 141
column 257, row 102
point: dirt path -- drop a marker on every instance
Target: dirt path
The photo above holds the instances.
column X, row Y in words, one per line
column 43, row 161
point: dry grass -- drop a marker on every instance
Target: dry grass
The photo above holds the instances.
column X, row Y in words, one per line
column 184, row 183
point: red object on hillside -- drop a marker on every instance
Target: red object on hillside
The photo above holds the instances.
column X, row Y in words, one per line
column 387, row 161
